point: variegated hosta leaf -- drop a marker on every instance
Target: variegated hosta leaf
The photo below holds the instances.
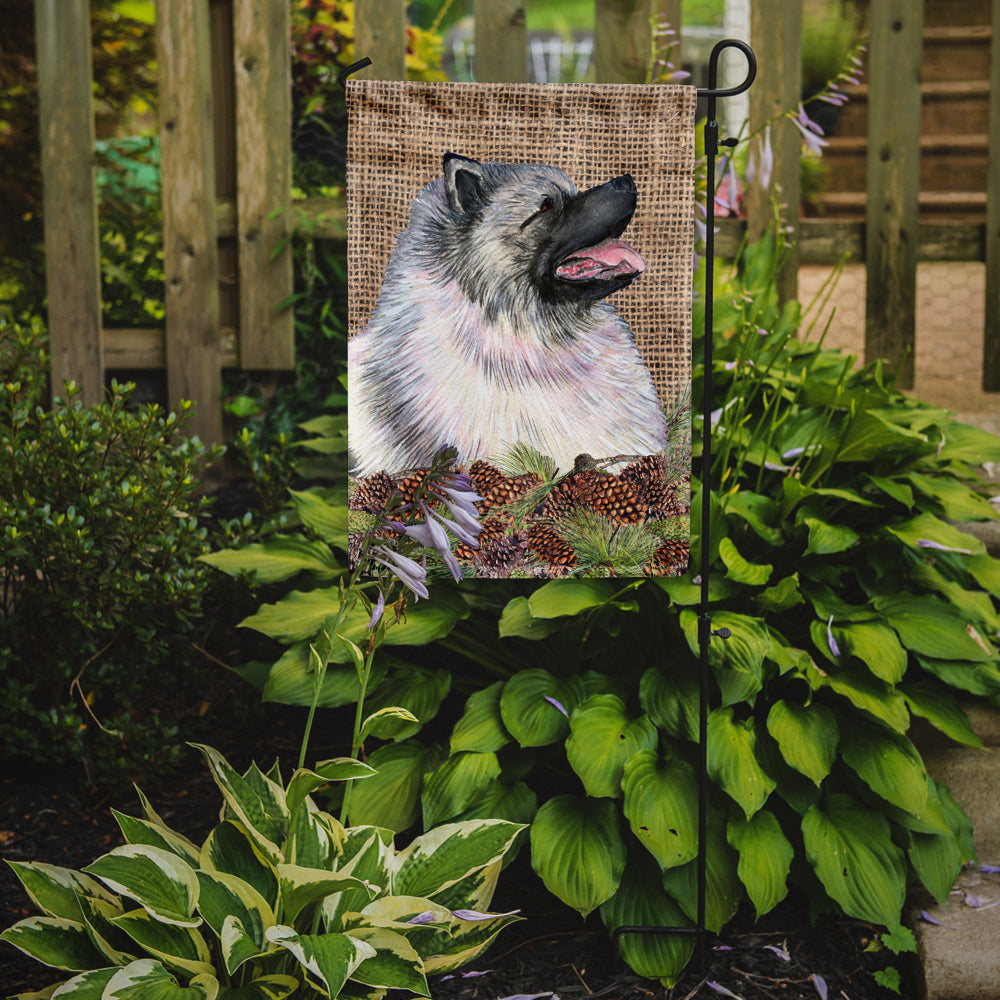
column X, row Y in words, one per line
column 367, row 853
column 141, row 831
column 56, row 891
column 642, row 902
column 256, row 801
column 274, row 987
column 602, row 737
column 315, row 839
column 765, row 858
column 301, row 887
column 86, row 986
column 225, row 897
column 481, row 727
column 54, row 941
column 304, row 782
column 395, row 964
column 329, row 959
column 456, row 784
column 230, row 849
column 147, row 979
column 578, row 851
column 732, row 760
column 468, row 939
column 116, row 946
column 807, row 736
column 476, row 890
column 661, row 799
column 441, row 857
column 177, row 947
column 850, row 847
column 158, row 880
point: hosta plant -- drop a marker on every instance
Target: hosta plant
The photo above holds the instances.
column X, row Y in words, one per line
column 279, row 900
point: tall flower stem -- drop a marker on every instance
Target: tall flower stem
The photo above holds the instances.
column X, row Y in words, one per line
column 357, row 737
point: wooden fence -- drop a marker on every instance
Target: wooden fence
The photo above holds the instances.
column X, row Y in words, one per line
column 226, row 160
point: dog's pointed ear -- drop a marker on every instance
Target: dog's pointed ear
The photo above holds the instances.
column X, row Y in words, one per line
column 463, row 182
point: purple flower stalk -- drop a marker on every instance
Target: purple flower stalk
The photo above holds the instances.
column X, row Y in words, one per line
column 377, row 611
column 834, row 648
column 811, row 132
column 410, row 573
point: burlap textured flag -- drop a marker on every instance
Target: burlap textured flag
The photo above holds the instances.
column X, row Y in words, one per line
column 519, row 276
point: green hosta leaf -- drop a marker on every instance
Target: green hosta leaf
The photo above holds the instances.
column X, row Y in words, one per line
column 956, row 500
column 602, row 738
column 261, row 809
column 391, row 798
column 732, row 760
column 724, row 891
column 54, row 941
column 937, row 859
column 976, row 605
column 330, row 959
column 932, row 628
column 807, row 736
column 230, row 849
column 865, row 692
column 275, row 987
column 292, row 679
column 888, row 763
column 395, row 964
column 56, row 891
column 870, row 436
column 528, row 714
column 876, row 646
column 159, row 881
column 641, row 901
column 558, row 598
column 180, row 948
column 141, row 831
column 941, row 709
column 976, row 678
column 758, row 511
column 279, row 558
column 850, row 847
column 578, row 851
column 765, row 858
column 827, row 539
column 388, row 722
column 738, row 661
column 456, row 784
column 965, row 443
column 752, row 574
column 671, row 699
column 147, row 979
column 440, row 858
column 327, row 520
column 986, row 572
column 661, row 798
column 517, row 620
column 481, row 728
column 893, row 488
column 301, row 887
column 928, row 528
column 415, row 689
column 783, row 595
column 515, row 803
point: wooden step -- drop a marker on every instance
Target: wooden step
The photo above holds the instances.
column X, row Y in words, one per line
column 956, row 53
column 958, row 206
column 945, row 103
column 947, row 162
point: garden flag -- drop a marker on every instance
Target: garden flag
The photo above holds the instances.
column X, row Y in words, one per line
column 519, row 274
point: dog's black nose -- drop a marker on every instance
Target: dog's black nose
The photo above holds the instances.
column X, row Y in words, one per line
column 623, row 183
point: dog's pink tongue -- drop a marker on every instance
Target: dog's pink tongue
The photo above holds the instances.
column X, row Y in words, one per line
column 604, row 260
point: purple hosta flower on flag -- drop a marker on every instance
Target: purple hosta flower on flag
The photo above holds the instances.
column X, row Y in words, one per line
column 811, row 132
column 409, row 572
column 760, row 165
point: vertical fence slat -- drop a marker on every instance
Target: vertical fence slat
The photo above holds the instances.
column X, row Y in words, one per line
column 991, row 332
column 72, row 257
column 380, row 34
column 261, row 57
column 501, row 41
column 893, row 183
column 621, row 40
column 190, row 253
column 776, row 34
column 669, row 12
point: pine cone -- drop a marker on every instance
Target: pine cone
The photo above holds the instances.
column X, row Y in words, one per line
column 549, row 547
column 372, row 494
column 670, row 559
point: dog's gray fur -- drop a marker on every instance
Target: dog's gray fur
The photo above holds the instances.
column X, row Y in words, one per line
column 477, row 342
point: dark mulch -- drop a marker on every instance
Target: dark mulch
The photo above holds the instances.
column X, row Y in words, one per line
column 551, row 951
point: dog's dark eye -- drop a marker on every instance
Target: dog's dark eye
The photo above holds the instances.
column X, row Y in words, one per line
column 546, row 205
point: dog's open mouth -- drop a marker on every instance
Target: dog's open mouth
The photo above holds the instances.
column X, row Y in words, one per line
column 605, row 261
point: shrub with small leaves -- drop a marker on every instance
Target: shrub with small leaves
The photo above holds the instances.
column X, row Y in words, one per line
column 100, row 579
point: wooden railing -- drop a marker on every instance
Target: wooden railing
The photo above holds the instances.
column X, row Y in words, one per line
column 226, row 156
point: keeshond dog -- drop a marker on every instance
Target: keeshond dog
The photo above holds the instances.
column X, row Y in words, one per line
column 491, row 326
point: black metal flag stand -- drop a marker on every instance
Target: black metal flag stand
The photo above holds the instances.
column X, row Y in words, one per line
column 705, row 631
